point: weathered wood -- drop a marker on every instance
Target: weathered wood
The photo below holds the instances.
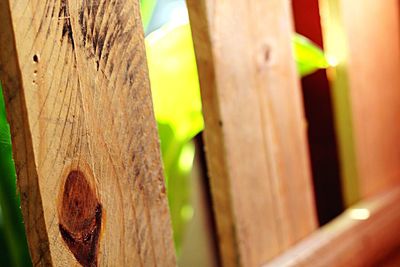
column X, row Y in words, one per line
column 84, row 136
column 364, row 235
column 254, row 127
column 363, row 37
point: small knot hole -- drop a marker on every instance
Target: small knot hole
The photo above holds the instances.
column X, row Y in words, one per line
column 36, row 58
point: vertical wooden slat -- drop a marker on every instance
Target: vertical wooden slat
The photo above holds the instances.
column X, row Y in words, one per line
column 84, row 136
column 255, row 130
column 363, row 38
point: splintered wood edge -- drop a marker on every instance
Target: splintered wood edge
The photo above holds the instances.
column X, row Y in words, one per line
column 364, row 234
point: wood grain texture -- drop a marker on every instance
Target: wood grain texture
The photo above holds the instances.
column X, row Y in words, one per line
column 348, row 241
column 392, row 260
column 84, row 135
column 363, row 36
column 254, row 127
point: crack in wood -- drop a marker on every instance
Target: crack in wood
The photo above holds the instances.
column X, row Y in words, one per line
column 64, row 15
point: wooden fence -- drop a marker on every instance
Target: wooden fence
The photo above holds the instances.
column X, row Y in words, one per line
column 87, row 152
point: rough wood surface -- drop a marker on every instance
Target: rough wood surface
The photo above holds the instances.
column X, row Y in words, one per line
column 84, row 136
column 367, row 234
column 254, row 127
column 363, row 36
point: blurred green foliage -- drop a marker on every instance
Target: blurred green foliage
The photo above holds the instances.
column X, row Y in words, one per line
column 177, row 106
column 177, row 103
column 146, row 10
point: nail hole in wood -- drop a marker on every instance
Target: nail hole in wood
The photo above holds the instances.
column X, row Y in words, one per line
column 36, row 58
column 267, row 53
column 265, row 57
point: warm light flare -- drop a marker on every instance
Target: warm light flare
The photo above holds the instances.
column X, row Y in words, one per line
column 332, row 61
column 359, row 214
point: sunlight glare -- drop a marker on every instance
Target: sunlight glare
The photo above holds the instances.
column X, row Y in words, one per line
column 359, row 214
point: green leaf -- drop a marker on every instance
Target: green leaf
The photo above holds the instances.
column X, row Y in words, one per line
column 174, row 80
column 146, row 11
column 13, row 229
column 309, row 57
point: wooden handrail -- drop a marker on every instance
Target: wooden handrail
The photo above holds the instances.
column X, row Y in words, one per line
column 362, row 236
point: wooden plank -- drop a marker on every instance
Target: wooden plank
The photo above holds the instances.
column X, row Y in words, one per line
column 392, row 260
column 254, row 127
column 364, row 235
column 84, row 135
column 363, row 37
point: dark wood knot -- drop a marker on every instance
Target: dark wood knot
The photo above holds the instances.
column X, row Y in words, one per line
column 80, row 218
